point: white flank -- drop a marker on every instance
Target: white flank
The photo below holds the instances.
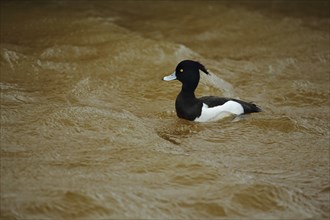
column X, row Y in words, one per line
column 220, row 112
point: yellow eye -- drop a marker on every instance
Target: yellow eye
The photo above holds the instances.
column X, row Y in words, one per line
column 181, row 70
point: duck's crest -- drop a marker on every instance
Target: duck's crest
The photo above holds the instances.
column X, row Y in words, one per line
column 202, row 67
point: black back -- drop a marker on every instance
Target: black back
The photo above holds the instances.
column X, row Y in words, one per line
column 212, row 101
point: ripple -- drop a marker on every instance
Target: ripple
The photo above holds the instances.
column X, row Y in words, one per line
column 264, row 198
column 178, row 132
column 281, row 123
column 63, row 52
column 208, row 209
column 67, row 204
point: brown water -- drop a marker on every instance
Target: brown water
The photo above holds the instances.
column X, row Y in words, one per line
column 88, row 129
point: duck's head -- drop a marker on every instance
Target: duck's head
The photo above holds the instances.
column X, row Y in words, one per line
column 187, row 72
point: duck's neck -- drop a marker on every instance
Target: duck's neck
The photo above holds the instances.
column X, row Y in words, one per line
column 189, row 88
column 187, row 92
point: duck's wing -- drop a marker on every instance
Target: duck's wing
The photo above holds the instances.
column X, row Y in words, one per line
column 213, row 101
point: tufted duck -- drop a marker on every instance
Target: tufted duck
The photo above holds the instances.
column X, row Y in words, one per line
column 207, row 108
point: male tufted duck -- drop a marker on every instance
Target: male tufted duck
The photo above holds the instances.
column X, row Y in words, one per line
column 207, row 108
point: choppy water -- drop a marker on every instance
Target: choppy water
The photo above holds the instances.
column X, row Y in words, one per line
column 88, row 129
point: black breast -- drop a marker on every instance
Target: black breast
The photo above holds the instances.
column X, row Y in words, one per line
column 188, row 107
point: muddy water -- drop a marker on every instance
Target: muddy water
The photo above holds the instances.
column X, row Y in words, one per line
column 88, row 129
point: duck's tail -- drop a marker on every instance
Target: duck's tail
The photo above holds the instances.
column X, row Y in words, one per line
column 249, row 107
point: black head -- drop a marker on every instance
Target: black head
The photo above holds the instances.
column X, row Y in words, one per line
column 187, row 72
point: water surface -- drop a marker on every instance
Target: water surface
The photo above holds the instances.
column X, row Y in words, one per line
column 88, row 129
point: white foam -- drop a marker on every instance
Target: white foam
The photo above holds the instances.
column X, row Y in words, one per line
column 218, row 83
